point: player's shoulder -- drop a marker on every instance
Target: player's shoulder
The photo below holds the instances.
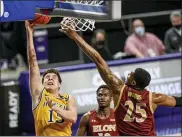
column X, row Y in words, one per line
column 64, row 96
column 126, row 88
column 91, row 112
column 86, row 116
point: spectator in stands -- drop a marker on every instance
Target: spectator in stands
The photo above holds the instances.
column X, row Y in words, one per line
column 173, row 36
column 143, row 44
column 99, row 42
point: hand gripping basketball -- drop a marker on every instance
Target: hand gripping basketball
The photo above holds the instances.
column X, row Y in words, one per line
column 40, row 19
column 28, row 27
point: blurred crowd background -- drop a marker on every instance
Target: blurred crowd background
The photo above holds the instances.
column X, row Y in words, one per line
column 151, row 34
column 147, row 30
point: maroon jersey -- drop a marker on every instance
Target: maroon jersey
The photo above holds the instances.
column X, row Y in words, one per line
column 134, row 113
column 102, row 127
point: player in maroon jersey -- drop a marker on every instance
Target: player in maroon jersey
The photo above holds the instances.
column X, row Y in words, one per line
column 134, row 105
column 101, row 121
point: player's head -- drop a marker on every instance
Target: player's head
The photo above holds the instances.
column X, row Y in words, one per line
column 51, row 80
column 104, row 96
column 139, row 78
column 138, row 27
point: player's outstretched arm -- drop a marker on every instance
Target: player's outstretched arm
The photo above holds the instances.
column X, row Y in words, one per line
column 109, row 78
column 164, row 100
column 70, row 114
column 35, row 83
column 83, row 125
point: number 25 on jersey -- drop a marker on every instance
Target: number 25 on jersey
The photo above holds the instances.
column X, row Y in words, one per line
column 128, row 117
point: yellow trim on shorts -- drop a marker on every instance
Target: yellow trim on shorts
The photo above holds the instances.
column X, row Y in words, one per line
column 121, row 93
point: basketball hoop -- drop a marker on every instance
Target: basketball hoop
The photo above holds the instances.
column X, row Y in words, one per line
column 80, row 24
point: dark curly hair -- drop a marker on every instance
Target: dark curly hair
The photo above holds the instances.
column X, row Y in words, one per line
column 142, row 78
column 103, row 86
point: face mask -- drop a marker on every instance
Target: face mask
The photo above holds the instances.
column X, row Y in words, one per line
column 140, row 31
column 100, row 44
column 178, row 26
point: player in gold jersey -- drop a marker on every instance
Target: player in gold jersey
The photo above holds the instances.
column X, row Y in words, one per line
column 53, row 112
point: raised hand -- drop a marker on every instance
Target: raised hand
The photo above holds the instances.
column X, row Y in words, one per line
column 68, row 30
column 29, row 27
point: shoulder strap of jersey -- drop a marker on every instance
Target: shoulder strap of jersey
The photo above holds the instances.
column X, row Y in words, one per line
column 150, row 102
column 64, row 97
column 91, row 112
column 120, row 95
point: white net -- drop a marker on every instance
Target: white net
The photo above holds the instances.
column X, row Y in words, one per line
column 78, row 24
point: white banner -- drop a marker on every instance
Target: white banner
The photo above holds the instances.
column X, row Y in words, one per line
column 82, row 84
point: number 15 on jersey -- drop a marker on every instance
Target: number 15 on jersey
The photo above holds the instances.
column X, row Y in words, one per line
column 51, row 120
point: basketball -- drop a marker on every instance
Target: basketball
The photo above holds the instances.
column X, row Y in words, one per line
column 40, row 19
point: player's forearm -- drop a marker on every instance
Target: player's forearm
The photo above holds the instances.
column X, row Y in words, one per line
column 164, row 100
column 169, row 101
column 88, row 50
column 109, row 78
column 32, row 59
column 80, row 132
column 66, row 114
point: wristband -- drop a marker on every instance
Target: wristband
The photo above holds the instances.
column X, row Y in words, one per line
column 178, row 101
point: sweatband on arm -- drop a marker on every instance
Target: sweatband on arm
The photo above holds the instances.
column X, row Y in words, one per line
column 178, row 101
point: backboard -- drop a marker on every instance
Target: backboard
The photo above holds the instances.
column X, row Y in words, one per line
column 105, row 10
column 18, row 10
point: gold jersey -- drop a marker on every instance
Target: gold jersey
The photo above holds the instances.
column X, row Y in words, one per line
column 47, row 122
